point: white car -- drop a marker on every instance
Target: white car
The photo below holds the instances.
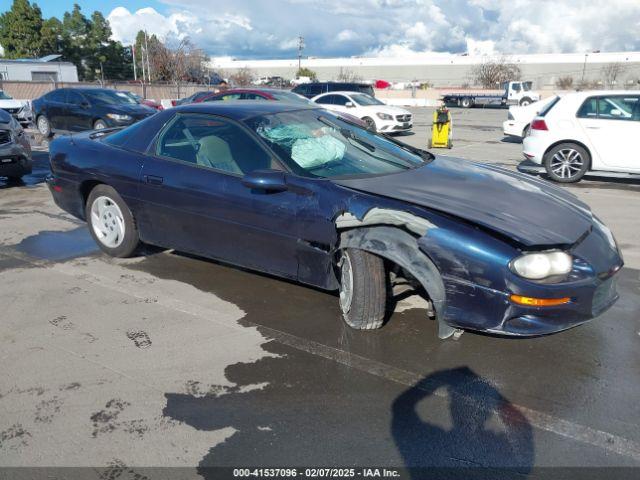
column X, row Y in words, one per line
column 377, row 115
column 519, row 118
column 19, row 109
column 596, row 132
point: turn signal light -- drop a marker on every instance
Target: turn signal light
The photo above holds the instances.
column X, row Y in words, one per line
column 539, row 302
column 539, row 124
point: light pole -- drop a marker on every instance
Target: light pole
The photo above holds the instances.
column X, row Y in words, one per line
column 300, row 48
column 584, row 67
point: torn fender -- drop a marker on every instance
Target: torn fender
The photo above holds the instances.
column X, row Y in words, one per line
column 402, row 248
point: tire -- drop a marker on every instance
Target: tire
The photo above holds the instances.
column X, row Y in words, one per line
column 371, row 125
column 525, row 101
column 44, row 127
column 466, row 102
column 363, row 289
column 111, row 223
column 449, row 144
column 99, row 124
column 567, row 162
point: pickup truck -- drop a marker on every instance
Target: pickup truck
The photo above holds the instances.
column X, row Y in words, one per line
column 511, row 93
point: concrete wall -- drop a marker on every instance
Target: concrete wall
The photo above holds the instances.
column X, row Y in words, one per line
column 442, row 70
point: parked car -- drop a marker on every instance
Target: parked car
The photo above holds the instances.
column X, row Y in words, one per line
column 519, row 117
column 78, row 109
column 195, row 98
column 303, row 194
column 314, row 89
column 258, row 94
column 587, row 132
column 15, row 151
column 142, row 101
column 377, row 115
column 20, row 110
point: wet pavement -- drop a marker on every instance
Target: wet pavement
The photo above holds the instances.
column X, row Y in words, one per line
column 173, row 360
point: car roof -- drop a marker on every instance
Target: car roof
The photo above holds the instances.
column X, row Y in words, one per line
column 242, row 109
column 595, row 93
column 342, row 92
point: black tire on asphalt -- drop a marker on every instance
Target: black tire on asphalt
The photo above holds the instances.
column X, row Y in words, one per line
column 525, row 101
column 586, row 164
column 131, row 237
column 99, row 124
column 371, row 124
column 45, row 128
column 466, row 102
column 366, row 310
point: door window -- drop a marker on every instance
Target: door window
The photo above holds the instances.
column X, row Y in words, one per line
column 252, row 96
column 614, row 107
column 340, row 100
column 74, row 98
column 231, row 96
column 56, row 96
column 326, row 100
column 212, row 142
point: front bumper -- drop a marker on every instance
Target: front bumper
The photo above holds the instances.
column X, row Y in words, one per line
column 391, row 126
column 591, row 288
column 15, row 160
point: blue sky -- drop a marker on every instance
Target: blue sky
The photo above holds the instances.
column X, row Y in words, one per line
column 269, row 28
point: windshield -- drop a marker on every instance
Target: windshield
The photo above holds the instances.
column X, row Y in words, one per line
column 4, row 96
column 365, row 100
column 318, row 144
column 291, row 97
column 111, row 97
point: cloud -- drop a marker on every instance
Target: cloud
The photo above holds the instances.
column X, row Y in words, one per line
column 250, row 29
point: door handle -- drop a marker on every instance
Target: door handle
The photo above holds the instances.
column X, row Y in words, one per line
column 153, row 180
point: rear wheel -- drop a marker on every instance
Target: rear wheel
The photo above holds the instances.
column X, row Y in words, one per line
column 111, row 223
column 363, row 289
column 466, row 102
column 44, row 127
column 567, row 162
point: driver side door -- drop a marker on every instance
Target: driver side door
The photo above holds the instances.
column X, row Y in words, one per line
column 194, row 200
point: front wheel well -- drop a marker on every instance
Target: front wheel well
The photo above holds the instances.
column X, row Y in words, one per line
column 575, row 142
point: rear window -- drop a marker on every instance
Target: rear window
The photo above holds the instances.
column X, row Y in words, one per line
column 548, row 107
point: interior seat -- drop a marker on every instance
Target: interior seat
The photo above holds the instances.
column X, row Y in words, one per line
column 215, row 153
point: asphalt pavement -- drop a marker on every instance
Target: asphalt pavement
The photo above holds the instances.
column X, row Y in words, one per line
column 170, row 360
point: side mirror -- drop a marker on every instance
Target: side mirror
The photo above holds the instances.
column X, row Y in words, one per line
column 349, row 105
column 267, row 180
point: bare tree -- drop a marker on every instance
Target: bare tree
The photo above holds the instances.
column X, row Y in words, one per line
column 242, row 77
column 611, row 72
column 492, row 72
column 564, row 83
column 347, row 75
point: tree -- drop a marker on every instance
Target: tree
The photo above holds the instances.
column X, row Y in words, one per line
column 564, row 83
column 242, row 77
column 51, row 37
column 611, row 72
column 492, row 72
column 306, row 72
column 347, row 75
column 20, row 30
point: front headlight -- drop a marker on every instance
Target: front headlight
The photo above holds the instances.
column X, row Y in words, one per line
column 536, row 266
column 384, row 116
column 118, row 117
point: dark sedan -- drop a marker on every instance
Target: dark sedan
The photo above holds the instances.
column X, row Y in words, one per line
column 302, row 193
column 78, row 109
column 15, row 150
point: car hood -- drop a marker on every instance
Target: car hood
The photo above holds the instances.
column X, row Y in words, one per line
column 11, row 104
column 532, row 212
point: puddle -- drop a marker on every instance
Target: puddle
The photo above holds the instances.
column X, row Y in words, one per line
column 52, row 245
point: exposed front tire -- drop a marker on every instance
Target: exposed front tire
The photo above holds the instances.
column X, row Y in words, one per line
column 363, row 289
column 525, row 101
column 111, row 223
column 44, row 127
column 99, row 125
column 567, row 162
column 371, row 124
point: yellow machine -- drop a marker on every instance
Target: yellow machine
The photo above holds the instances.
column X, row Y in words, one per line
column 442, row 129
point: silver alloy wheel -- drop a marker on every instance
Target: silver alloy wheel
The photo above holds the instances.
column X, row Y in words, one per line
column 566, row 163
column 346, row 283
column 43, row 125
column 107, row 222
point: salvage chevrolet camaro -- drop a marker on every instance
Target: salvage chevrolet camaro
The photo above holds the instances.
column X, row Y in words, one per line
column 302, row 193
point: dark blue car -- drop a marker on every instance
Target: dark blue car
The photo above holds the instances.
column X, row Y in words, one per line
column 304, row 194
